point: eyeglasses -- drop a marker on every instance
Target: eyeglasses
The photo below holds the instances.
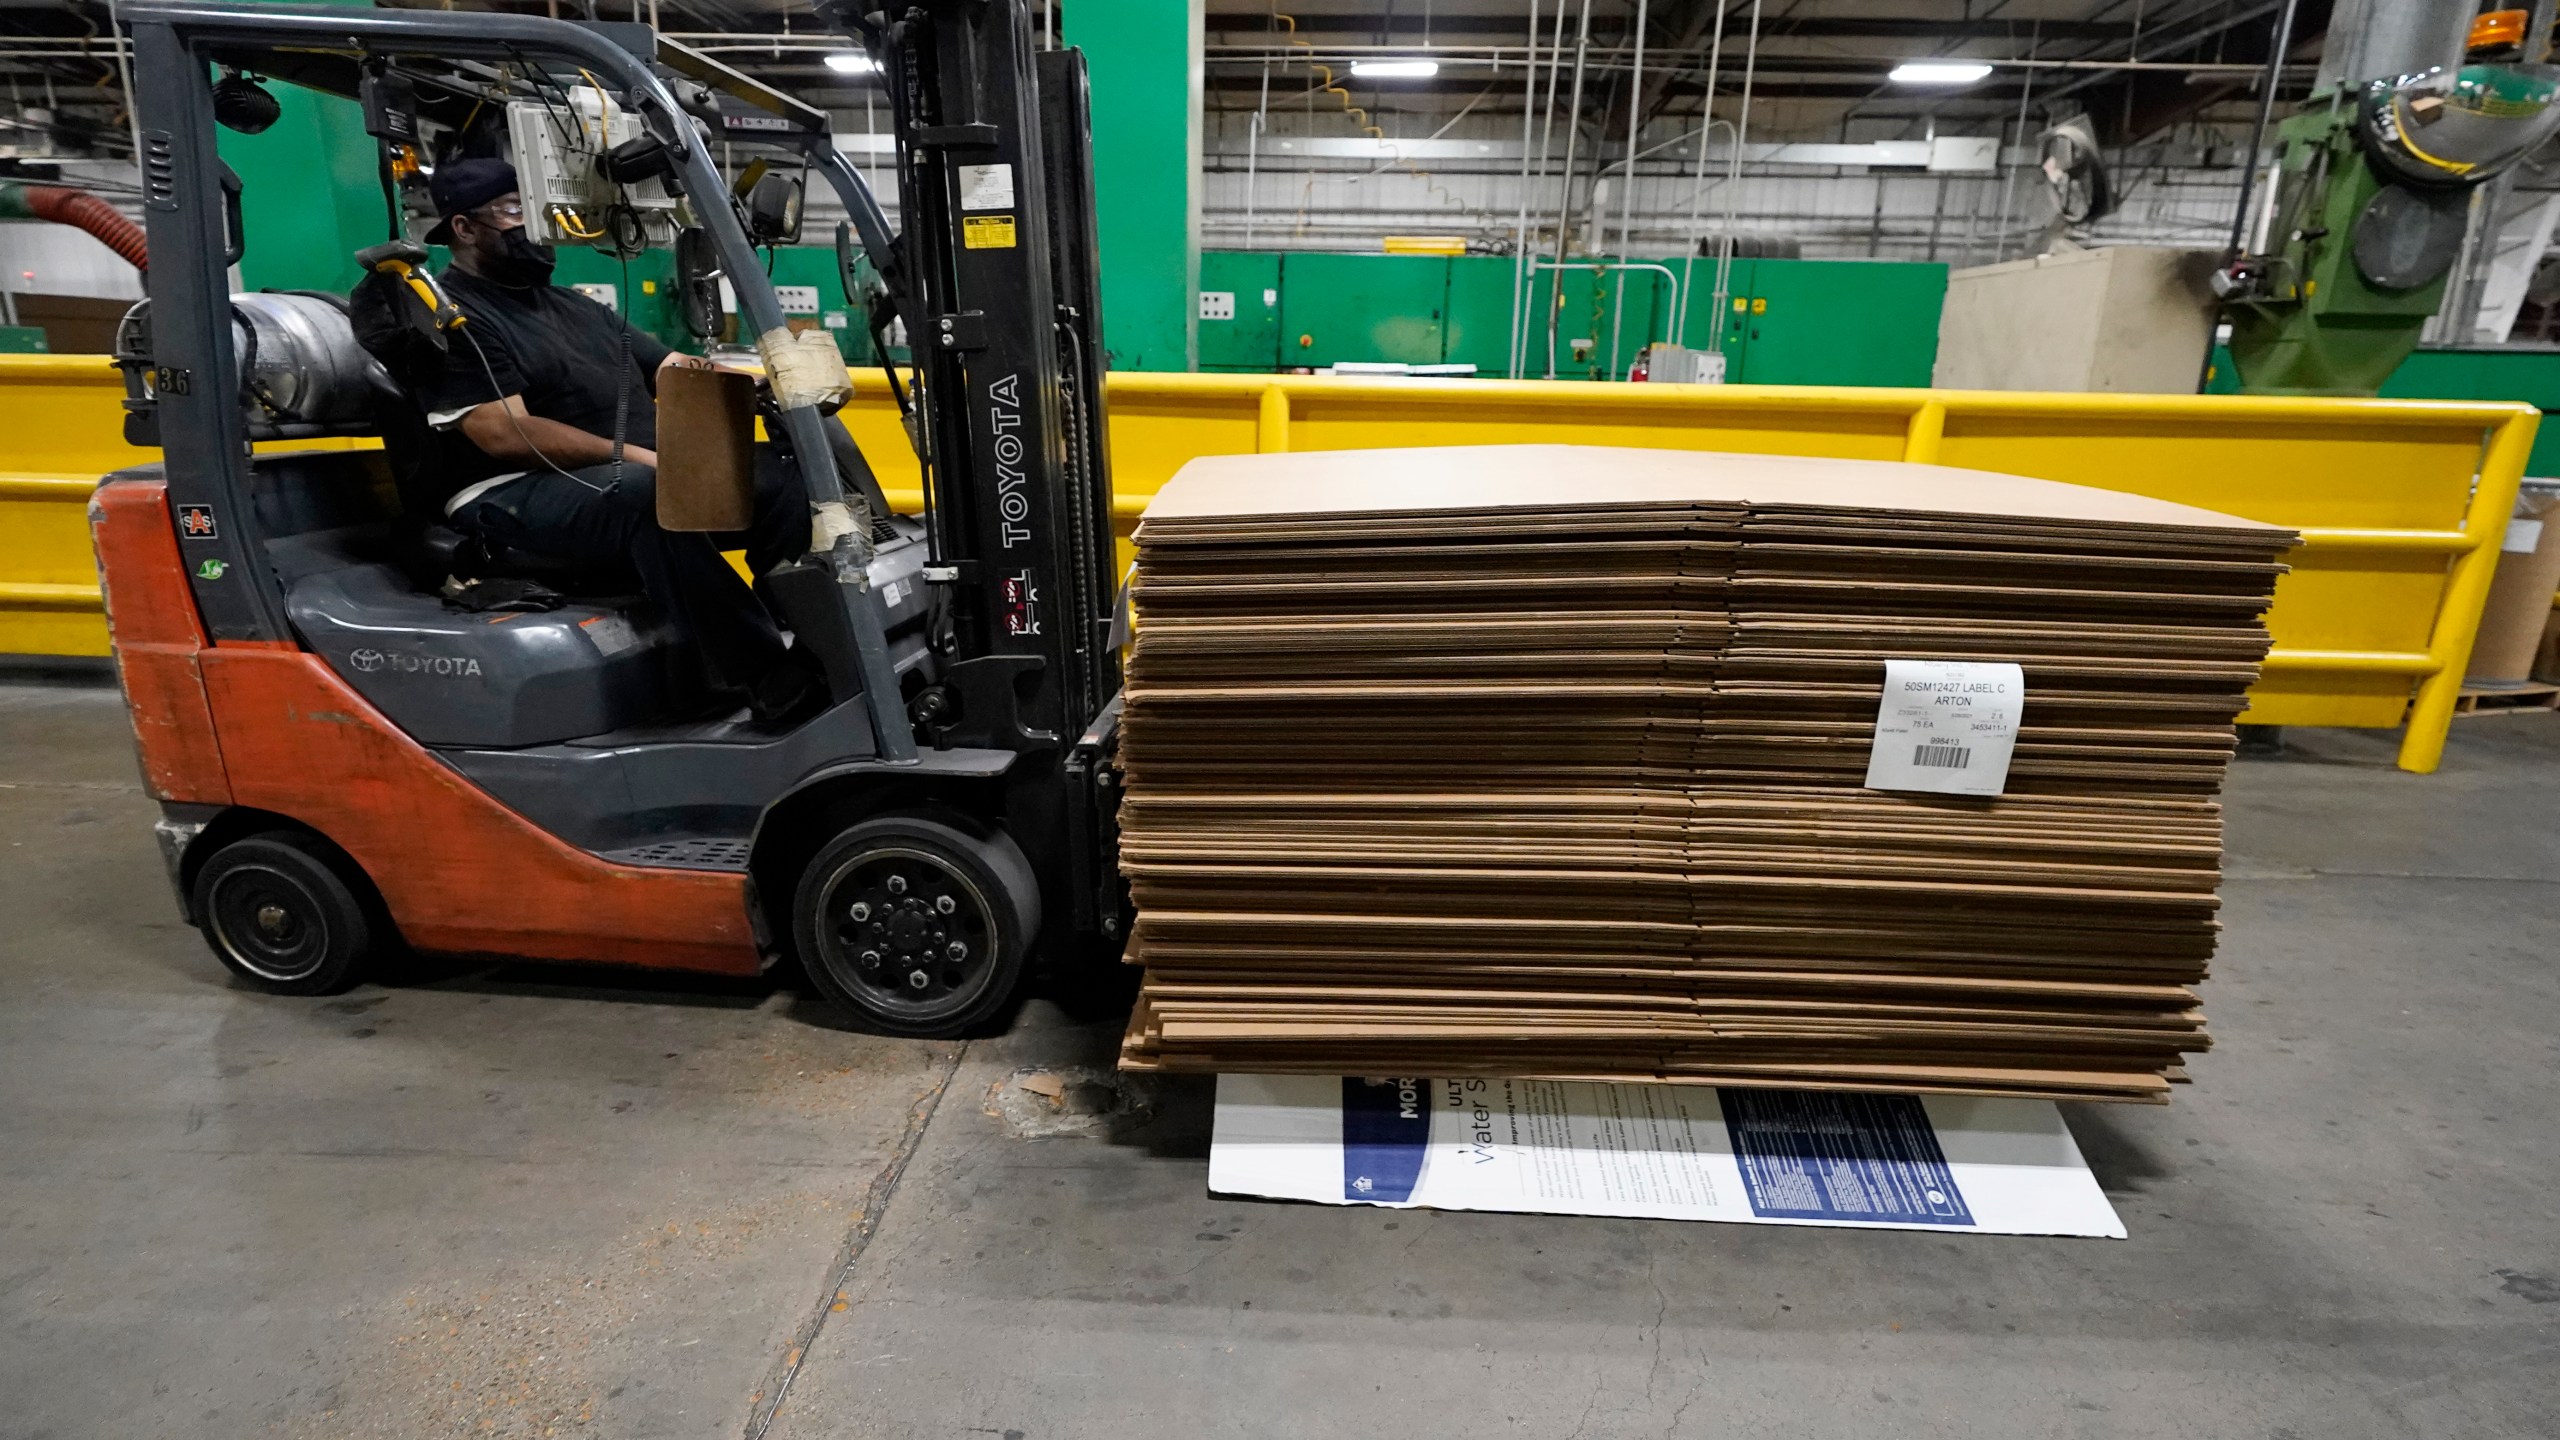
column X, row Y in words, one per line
column 500, row 210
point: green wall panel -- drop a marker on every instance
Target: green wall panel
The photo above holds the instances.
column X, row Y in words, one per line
column 1799, row 322
column 310, row 193
column 2487, row 373
column 1144, row 57
column 2532, row 376
column 1618, row 312
column 1251, row 340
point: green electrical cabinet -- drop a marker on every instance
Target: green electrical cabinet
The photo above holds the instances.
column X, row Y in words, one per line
column 1782, row 322
column 1362, row 308
column 644, row 291
column 1827, row 322
column 1240, row 310
column 646, row 297
column 1477, row 327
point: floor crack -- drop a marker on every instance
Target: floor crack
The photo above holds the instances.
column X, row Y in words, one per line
column 875, row 1204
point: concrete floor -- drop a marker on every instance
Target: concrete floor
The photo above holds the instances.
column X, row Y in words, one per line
column 531, row 1202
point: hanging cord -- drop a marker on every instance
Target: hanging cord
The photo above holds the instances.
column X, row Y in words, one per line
column 513, row 419
column 1325, row 82
column 1564, row 176
column 1733, row 169
column 1520, row 248
column 1627, row 197
column 1252, row 147
column 1698, row 191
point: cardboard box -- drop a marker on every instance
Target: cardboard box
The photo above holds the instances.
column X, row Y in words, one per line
column 2518, row 610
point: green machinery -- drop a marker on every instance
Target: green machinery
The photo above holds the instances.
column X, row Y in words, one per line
column 2370, row 205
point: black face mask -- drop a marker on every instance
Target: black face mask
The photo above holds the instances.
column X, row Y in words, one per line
column 519, row 263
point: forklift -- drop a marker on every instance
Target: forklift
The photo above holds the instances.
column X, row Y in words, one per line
column 347, row 762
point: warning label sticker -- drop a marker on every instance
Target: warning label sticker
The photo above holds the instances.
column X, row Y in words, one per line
column 987, row 232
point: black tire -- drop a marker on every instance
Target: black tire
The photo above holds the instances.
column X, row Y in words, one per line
column 869, row 918
column 280, row 915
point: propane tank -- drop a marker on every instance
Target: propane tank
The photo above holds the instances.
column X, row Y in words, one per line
column 301, row 370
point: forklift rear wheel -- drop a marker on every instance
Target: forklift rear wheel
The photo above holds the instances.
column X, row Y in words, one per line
column 917, row 923
column 278, row 913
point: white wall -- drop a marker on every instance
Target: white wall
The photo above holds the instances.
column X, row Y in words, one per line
column 1303, row 202
column 64, row 261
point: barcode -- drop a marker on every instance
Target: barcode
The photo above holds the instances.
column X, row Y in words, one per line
column 1941, row 756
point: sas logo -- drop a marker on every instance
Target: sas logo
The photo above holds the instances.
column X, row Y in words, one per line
column 374, row 662
column 195, row 522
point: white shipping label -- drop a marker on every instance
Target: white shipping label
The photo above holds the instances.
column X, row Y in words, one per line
column 1946, row 726
column 2523, row 536
column 986, row 187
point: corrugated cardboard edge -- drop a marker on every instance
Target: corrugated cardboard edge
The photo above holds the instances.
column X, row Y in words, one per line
column 1504, row 476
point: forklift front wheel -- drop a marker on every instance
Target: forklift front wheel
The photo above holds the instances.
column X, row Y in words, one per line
column 279, row 914
column 919, row 924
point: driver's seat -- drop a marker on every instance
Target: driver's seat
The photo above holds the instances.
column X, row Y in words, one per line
column 363, row 571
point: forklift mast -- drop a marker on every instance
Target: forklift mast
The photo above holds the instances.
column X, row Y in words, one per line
column 995, row 275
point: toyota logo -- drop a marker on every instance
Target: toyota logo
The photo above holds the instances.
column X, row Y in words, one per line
column 367, row 661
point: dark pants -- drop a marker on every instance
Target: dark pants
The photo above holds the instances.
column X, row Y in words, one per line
column 611, row 531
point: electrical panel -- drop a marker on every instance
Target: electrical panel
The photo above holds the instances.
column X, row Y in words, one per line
column 566, row 202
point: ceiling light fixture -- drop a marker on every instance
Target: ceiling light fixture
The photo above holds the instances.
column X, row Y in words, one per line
column 1939, row 72
column 1395, row 69
column 852, row 63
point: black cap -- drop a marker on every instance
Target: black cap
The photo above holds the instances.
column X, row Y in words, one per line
column 462, row 186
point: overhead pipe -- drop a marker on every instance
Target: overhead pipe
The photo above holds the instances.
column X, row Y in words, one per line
column 64, row 205
column 1520, row 235
column 1733, row 172
column 1627, row 197
column 2283, row 41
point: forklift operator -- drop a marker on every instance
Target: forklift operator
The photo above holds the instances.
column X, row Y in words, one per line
column 526, row 410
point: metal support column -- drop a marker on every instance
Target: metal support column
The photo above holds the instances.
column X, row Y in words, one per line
column 1144, row 57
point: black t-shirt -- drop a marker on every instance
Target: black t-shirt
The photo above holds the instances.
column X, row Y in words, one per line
column 553, row 346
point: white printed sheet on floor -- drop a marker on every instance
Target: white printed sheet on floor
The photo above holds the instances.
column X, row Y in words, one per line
column 1672, row 1152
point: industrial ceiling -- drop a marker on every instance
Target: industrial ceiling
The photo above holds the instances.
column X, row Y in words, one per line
column 1813, row 69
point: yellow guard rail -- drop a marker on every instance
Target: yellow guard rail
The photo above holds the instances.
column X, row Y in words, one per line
column 2401, row 503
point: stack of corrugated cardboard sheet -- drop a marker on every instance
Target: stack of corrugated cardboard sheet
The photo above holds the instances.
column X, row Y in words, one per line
column 1551, row 760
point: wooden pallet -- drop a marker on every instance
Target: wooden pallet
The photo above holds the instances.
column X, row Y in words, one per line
column 2507, row 700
